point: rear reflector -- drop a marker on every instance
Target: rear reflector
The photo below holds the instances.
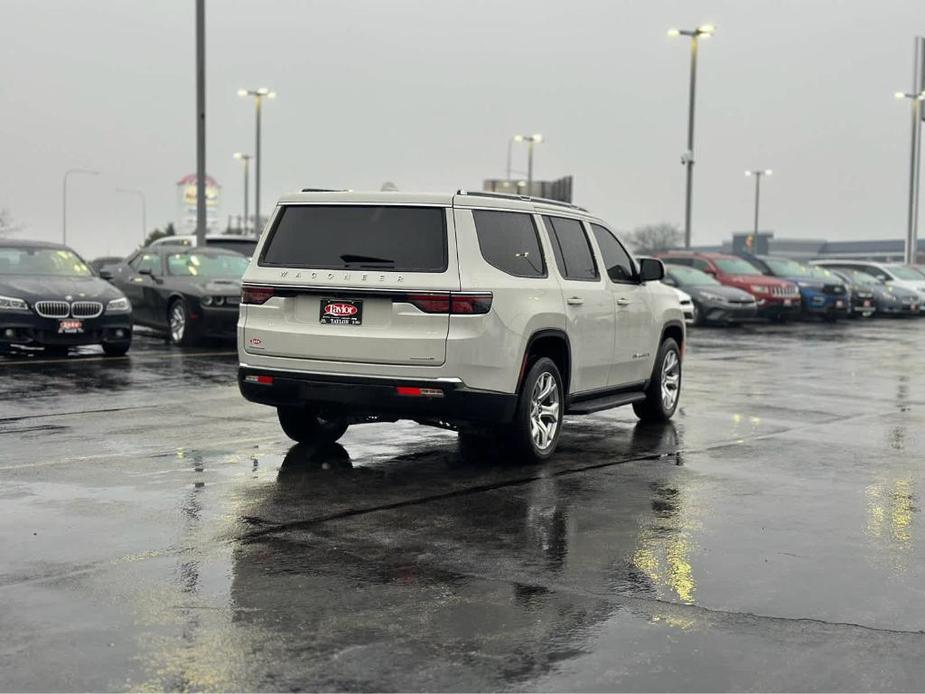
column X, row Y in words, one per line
column 414, row 392
column 262, row 380
column 256, row 295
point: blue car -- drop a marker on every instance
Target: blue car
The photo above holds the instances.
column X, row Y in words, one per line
column 824, row 296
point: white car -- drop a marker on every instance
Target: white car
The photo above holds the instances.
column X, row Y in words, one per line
column 895, row 274
column 490, row 314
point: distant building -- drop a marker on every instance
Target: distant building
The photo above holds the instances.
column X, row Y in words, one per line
column 186, row 204
column 560, row 189
column 887, row 250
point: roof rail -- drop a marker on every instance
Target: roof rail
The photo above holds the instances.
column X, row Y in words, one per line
column 325, row 190
column 524, row 198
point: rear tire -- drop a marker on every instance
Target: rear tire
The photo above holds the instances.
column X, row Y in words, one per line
column 664, row 389
column 305, row 426
column 537, row 422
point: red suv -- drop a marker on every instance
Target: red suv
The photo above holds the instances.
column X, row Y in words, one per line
column 777, row 299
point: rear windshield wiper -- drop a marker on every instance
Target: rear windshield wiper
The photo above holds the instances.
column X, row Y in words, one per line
column 366, row 260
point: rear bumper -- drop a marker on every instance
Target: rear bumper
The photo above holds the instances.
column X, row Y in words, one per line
column 32, row 330
column 377, row 397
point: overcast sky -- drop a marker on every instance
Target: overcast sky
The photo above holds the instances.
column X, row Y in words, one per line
column 426, row 93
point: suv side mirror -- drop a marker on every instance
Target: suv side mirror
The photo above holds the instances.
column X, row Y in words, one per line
column 106, row 274
column 650, row 270
column 146, row 271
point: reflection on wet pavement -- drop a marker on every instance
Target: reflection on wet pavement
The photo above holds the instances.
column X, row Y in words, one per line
column 160, row 533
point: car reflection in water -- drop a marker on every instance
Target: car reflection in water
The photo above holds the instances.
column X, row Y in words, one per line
column 487, row 583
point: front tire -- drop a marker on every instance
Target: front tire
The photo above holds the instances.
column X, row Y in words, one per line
column 179, row 324
column 664, row 389
column 115, row 349
column 540, row 409
column 305, row 426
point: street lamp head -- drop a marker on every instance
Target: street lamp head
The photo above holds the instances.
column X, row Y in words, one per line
column 748, row 173
column 242, row 92
column 518, row 138
column 537, row 137
column 899, row 95
column 271, row 95
column 768, row 172
column 673, row 33
column 706, row 29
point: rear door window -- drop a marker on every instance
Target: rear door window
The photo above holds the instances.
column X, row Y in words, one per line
column 509, row 242
column 617, row 261
column 572, row 249
column 358, row 237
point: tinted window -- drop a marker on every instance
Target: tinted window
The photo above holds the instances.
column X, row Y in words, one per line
column 736, row 266
column 616, row 259
column 360, row 237
column 147, row 261
column 30, row 260
column 571, row 248
column 206, row 265
column 509, row 242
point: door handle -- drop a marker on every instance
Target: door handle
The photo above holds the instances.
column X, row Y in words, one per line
column 574, row 301
column 623, row 302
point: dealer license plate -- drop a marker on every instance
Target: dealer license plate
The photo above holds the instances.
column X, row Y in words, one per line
column 341, row 312
column 70, row 327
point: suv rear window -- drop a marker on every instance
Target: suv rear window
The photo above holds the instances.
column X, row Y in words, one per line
column 509, row 242
column 358, row 237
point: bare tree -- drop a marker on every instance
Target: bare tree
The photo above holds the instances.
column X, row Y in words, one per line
column 649, row 239
column 8, row 225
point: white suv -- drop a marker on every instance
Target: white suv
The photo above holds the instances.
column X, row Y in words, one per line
column 489, row 314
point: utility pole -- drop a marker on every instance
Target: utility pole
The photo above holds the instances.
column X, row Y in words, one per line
column 758, row 173
column 917, row 95
column 200, row 123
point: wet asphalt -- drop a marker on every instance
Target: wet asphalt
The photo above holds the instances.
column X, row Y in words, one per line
column 157, row 532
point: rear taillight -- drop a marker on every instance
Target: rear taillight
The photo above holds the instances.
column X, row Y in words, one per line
column 455, row 303
column 256, row 295
column 470, row 303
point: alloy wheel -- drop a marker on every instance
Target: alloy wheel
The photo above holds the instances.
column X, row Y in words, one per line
column 544, row 411
column 671, row 380
column 177, row 322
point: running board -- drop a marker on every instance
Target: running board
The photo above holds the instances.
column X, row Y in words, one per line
column 605, row 402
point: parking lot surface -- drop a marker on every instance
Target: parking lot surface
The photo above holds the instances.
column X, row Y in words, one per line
column 159, row 532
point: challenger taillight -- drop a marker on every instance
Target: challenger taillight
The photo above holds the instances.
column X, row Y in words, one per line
column 453, row 302
column 256, row 295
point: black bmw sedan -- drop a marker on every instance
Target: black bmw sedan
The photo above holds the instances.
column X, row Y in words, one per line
column 49, row 297
column 188, row 293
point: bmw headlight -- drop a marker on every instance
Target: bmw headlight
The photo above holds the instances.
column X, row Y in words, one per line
column 120, row 305
column 10, row 303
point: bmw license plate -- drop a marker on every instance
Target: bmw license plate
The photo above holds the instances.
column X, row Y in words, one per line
column 70, row 327
column 866, row 303
column 839, row 304
column 341, row 312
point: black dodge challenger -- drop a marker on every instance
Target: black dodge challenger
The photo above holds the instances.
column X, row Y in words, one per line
column 49, row 297
column 189, row 293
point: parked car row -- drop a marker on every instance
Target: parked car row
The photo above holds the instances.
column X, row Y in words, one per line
column 727, row 289
column 51, row 299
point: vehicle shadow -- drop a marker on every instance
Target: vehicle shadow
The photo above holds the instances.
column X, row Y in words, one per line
column 476, row 576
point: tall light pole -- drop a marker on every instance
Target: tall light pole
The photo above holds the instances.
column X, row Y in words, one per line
column 259, row 95
column 89, row 172
column 246, row 158
column 687, row 159
column 144, row 209
column 917, row 96
column 758, row 173
column 531, row 140
column 201, row 123
column 510, row 144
